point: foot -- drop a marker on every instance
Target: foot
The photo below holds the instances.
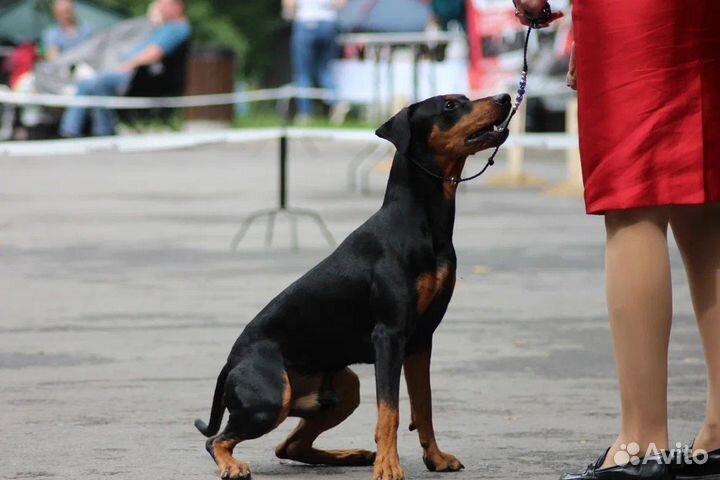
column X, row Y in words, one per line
column 346, row 458
column 388, row 467
column 221, row 451
column 626, row 448
column 652, row 468
column 233, row 470
column 708, row 439
column 351, row 458
column 339, row 112
column 442, row 462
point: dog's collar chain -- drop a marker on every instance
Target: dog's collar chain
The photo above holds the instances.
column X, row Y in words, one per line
column 518, row 101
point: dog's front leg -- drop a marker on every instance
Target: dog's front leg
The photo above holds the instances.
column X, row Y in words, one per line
column 389, row 352
column 417, row 377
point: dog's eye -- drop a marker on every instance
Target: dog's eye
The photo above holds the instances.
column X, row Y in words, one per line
column 451, row 105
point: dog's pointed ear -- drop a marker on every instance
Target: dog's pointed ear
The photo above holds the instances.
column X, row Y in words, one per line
column 397, row 130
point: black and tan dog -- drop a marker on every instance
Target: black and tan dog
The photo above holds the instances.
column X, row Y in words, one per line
column 377, row 299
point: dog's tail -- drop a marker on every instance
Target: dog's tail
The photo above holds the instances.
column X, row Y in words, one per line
column 218, row 406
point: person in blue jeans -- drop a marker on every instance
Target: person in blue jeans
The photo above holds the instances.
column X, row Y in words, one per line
column 169, row 35
column 314, row 46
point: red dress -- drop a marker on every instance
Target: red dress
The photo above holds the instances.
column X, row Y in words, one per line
column 648, row 75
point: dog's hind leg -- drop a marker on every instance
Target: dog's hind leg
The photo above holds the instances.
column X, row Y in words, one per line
column 220, row 448
column 257, row 394
column 322, row 403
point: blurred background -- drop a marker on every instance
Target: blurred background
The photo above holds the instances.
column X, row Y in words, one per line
column 368, row 58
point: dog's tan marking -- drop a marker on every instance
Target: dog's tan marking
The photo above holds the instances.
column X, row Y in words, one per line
column 317, row 419
column 449, row 145
column 287, row 397
column 428, row 286
column 305, row 389
column 387, row 463
column 228, row 467
column 417, row 377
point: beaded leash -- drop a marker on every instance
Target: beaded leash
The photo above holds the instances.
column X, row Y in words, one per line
column 536, row 23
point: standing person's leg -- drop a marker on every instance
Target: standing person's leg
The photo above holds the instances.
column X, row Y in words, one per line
column 302, row 53
column 697, row 232
column 639, row 295
column 327, row 50
column 74, row 118
column 107, row 84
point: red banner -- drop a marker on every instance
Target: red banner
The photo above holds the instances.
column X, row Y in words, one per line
column 496, row 43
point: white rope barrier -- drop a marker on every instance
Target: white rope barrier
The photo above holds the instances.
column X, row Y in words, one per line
column 399, row 39
column 132, row 103
column 175, row 141
column 134, row 143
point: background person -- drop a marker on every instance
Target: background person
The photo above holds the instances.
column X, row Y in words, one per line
column 67, row 33
column 169, row 35
column 647, row 74
column 313, row 47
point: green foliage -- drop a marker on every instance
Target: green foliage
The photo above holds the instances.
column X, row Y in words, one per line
column 248, row 27
column 258, row 21
column 264, row 120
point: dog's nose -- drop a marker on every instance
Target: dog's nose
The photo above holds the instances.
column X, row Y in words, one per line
column 503, row 99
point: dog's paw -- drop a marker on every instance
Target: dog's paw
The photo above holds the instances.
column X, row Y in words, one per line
column 388, row 468
column 442, row 462
column 355, row 457
column 234, row 471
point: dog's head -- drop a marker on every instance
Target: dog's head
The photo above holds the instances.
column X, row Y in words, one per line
column 451, row 127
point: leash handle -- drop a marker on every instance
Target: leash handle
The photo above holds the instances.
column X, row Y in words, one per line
column 536, row 22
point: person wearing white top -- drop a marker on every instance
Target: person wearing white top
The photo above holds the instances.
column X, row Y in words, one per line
column 314, row 46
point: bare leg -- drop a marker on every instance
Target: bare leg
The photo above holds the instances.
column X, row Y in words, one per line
column 639, row 295
column 697, row 232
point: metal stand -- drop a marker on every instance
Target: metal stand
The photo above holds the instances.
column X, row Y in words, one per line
column 370, row 155
column 282, row 209
column 7, row 121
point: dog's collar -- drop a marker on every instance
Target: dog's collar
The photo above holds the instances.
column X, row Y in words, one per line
column 518, row 101
column 454, row 180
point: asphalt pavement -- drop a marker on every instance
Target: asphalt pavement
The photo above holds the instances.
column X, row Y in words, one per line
column 119, row 300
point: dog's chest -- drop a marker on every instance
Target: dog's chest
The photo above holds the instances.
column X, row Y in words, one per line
column 431, row 286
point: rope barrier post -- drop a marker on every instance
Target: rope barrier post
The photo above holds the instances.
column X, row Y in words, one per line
column 515, row 176
column 282, row 209
column 282, row 191
column 7, row 120
column 573, row 184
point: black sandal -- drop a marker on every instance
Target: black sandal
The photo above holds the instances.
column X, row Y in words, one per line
column 651, row 468
column 691, row 465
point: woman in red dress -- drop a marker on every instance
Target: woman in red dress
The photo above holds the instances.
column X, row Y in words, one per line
column 647, row 74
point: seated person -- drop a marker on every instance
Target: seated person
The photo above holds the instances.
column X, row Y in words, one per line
column 169, row 35
column 67, row 33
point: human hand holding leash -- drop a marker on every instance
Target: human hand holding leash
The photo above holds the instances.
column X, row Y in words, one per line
column 535, row 12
